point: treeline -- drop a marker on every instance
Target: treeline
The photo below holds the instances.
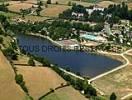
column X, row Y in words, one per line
column 112, row 14
column 121, row 11
column 56, row 29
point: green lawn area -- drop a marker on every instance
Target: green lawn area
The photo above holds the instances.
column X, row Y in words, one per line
column 8, row 14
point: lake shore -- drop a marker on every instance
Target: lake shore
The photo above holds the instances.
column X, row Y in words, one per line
column 115, row 57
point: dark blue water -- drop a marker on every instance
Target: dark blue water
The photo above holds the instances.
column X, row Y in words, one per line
column 85, row 63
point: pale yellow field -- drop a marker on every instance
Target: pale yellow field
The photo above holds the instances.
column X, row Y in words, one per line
column 54, row 10
column 105, row 3
column 130, row 5
column 39, row 80
column 16, row 7
column 66, row 93
column 119, row 82
column 23, row 59
column 9, row 90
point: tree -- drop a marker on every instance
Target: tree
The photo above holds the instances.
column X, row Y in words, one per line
column 56, row 2
column 19, row 79
column 90, row 91
column 31, row 62
column 40, row 3
column 69, row 3
column 38, row 10
column 22, row 12
column 9, row 52
column 48, row 1
column 113, row 96
column 1, row 40
column 3, row 7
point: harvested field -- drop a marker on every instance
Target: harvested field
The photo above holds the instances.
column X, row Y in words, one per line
column 39, row 80
column 54, row 10
column 118, row 82
column 8, row 87
column 86, row 4
column 130, row 5
column 18, row 6
column 105, row 3
column 66, row 93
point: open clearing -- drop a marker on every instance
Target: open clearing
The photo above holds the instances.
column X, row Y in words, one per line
column 66, row 93
column 9, row 90
column 118, row 82
column 39, row 80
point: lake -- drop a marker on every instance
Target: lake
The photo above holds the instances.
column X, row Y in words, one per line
column 86, row 64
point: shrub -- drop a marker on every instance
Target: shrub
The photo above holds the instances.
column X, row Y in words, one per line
column 9, row 52
column 56, row 2
column 52, row 90
column 48, row 1
column 19, row 79
column 69, row 3
column 31, row 62
column 1, row 31
column 113, row 96
column 1, row 40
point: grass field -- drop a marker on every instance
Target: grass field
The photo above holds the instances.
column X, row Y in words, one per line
column 9, row 90
column 54, row 10
column 39, row 80
column 118, row 82
column 23, row 59
column 16, row 7
column 129, row 57
column 105, row 3
column 66, row 93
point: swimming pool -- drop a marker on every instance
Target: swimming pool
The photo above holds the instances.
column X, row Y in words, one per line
column 89, row 37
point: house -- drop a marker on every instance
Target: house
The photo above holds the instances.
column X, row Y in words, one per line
column 78, row 15
column 95, row 8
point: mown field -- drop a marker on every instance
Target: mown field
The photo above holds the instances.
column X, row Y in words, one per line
column 9, row 90
column 118, row 82
column 66, row 93
column 39, row 81
column 54, row 10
